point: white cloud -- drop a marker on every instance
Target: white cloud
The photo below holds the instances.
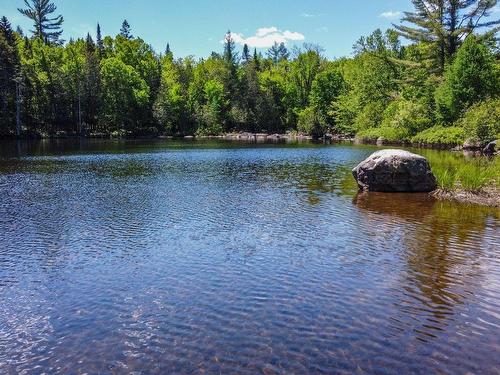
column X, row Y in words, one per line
column 310, row 15
column 265, row 37
column 263, row 31
column 390, row 14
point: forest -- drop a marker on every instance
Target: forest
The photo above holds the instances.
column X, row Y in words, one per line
column 434, row 78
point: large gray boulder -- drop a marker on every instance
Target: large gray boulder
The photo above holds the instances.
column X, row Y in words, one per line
column 395, row 171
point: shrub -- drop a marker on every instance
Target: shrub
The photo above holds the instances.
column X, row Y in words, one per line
column 370, row 116
column 482, row 121
column 441, row 135
column 389, row 134
column 412, row 116
column 310, row 122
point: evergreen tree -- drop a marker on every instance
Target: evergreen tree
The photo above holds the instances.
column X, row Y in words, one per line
column 273, row 52
column 92, row 85
column 246, row 53
column 283, row 52
column 46, row 28
column 167, row 50
column 8, row 68
column 256, row 59
column 230, row 54
column 443, row 24
column 99, row 42
column 278, row 52
column 125, row 30
column 470, row 79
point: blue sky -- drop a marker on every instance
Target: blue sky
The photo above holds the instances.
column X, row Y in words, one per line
column 196, row 27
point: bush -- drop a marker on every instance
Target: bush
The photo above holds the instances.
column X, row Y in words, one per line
column 310, row 122
column 482, row 121
column 441, row 135
column 370, row 116
column 410, row 115
column 387, row 133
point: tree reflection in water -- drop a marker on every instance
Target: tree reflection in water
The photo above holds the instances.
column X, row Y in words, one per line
column 443, row 244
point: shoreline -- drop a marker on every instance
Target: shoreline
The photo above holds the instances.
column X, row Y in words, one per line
column 250, row 137
column 488, row 197
column 239, row 136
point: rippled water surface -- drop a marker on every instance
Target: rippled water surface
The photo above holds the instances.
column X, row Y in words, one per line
column 203, row 257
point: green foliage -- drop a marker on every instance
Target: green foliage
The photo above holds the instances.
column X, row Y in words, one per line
column 471, row 78
column 441, row 25
column 213, row 112
column 387, row 133
column 410, row 115
column 45, row 27
column 482, row 121
column 120, row 85
column 369, row 116
column 125, row 95
column 325, row 90
column 441, row 135
column 311, row 122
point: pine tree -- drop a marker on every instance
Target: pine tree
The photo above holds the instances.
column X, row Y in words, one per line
column 273, row 52
column 168, row 51
column 46, row 28
column 9, row 61
column 444, row 24
column 99, row 42
column 246, row 53
column 230, row 56
column 283, row 52
column 125, row 30
column 91, row 87
column 278, row 52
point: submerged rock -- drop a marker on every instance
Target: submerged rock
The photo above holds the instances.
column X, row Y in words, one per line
column 395, row 171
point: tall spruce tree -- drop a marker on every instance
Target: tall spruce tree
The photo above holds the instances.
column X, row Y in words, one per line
column 91, row 89
column 246, row 54
column 256, row 59
column 230, row 54
column 99, row 42
column 8, row 68
column 125, row 30
column 45, row 27
column 444, row 24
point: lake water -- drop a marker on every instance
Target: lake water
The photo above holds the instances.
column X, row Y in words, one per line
column 212, row 257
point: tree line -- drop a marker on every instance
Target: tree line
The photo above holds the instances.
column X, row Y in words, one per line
column 441, row 85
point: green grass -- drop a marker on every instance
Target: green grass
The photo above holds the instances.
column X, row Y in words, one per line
column 466, row 174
